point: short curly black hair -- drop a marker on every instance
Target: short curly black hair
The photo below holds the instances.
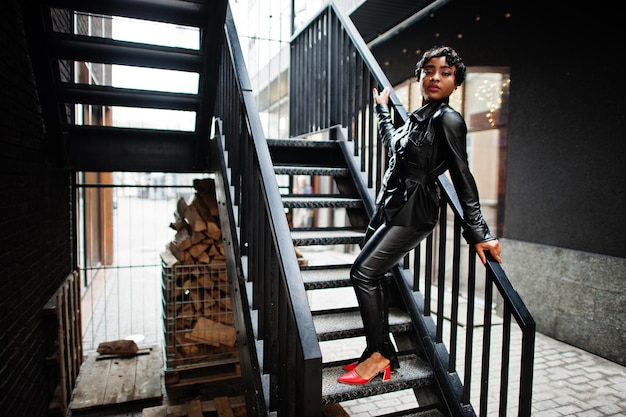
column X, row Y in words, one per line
column 452, row 58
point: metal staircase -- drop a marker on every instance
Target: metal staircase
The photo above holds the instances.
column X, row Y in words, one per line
column 73, row 49
column 436, row 328
column 325, row 161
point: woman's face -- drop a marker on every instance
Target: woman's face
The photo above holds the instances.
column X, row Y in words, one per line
column 437, row 79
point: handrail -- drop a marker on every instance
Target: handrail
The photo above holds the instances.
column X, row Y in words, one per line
column 333, row 68
column 290, row 355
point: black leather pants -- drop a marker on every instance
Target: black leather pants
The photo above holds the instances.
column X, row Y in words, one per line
column 385, row 248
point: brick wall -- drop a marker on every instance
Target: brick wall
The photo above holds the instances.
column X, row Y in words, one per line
column 36, row 224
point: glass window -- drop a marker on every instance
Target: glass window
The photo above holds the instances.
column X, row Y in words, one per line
column 483, row 100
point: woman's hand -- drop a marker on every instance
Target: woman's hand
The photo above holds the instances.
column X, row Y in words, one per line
column 383, row 97
column 491, row 246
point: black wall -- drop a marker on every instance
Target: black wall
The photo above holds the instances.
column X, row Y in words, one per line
column 567, row 120
column 36, row 229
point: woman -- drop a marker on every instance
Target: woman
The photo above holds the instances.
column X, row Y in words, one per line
column 432, row 140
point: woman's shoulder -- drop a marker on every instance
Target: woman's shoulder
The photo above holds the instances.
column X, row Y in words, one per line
column 448, row 116
column 446, row 111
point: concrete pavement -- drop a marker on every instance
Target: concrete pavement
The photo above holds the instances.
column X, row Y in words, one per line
column 568, row 381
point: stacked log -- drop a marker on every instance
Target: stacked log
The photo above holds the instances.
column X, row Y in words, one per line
column 198, row 237
column 198, row 314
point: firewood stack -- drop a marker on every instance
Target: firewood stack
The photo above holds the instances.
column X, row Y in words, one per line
column 197, row 305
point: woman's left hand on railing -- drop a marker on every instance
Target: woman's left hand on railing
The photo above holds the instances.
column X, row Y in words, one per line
column 491, row 246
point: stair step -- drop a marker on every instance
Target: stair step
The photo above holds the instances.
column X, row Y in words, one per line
column 417, row 413
column 413, row 372
column 301, row 143
column 347, row 323
column 317, row 201
column 170, row 11
column 311, row 170
column 311, row 237
column 323, row 278
column 113, row 51
column 306, row 152
column 116, row 96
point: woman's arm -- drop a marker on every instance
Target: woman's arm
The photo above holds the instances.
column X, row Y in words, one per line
column 385, row 125
column 476, row 230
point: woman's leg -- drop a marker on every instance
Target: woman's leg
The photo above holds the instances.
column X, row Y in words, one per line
column 387, row 246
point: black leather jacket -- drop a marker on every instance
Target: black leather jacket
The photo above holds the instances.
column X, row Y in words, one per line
column 432, row 140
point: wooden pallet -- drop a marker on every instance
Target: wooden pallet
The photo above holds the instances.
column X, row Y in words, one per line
column 210, row 373
column 219, row 406
column 113, row 380
column 62, row 322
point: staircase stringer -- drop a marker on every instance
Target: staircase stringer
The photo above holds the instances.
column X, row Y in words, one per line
column 249, row 360
column 289, row 358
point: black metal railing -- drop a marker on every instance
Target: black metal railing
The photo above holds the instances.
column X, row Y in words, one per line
column 332, row 66
column 291, row 356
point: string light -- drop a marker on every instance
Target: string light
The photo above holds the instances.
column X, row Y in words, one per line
column 491, row 93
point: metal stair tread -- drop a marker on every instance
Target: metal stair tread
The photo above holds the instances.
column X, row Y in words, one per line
column 315, row 279
column 346, row 324
column 413, row 372
column 424, row 413
column 315, row 201
column 168, row 11
column 311, row 170
column 302, row 143
column 320, row 236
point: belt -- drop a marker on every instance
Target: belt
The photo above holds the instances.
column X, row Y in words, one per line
column 416, row 175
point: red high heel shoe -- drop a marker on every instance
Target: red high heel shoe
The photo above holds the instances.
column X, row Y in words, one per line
column 350, row 366
column 355, row 379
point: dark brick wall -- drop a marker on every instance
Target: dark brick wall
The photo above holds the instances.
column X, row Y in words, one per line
column 36, row 224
